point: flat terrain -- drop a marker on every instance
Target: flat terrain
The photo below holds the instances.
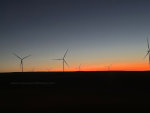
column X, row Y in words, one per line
column 57, row 91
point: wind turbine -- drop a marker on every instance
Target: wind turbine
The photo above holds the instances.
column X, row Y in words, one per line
column 148, row 51
column 48, row 69
column 79, row 67
column 63, row 60
column 109, row 67
column 32, row 70
column 21, row 63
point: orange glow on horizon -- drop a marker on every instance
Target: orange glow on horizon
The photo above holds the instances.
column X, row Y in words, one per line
column 125, row 67
column 114, row 67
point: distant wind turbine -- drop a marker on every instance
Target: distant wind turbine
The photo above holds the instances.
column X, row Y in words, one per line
column 48, row 69
column 21, row 63
column 109, row 67
column 148, row 51
column 63, row 60
column 32, row 69
column 79, row 67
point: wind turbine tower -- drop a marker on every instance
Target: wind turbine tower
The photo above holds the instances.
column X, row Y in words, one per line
column 80, row 67
column 148, row 50
column 108, row 67
column 63, row 60
column 21, row 59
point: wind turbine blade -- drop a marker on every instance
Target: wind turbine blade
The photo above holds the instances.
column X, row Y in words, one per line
column 20, row 63
column 66, row 63
column 148, row 43
column 149, row 58
column 57, row 59
column 65, row 54
column 146, row 55
column 17, row 56
column 26, row 56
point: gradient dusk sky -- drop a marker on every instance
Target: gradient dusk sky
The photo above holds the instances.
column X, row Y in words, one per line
column 96, row 32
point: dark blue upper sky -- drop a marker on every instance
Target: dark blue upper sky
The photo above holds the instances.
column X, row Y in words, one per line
column 92, row 29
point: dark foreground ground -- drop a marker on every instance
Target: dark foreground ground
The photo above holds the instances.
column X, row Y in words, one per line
column 70, row 91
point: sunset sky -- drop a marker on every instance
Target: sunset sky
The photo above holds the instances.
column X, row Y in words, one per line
column 96, row 33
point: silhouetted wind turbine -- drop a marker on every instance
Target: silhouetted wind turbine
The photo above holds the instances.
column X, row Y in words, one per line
column 108, row 67
column 79, row 67
column 48, row 69
column 148, row 51
column 21, row 63
column 63, row 60
column 32, row 70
